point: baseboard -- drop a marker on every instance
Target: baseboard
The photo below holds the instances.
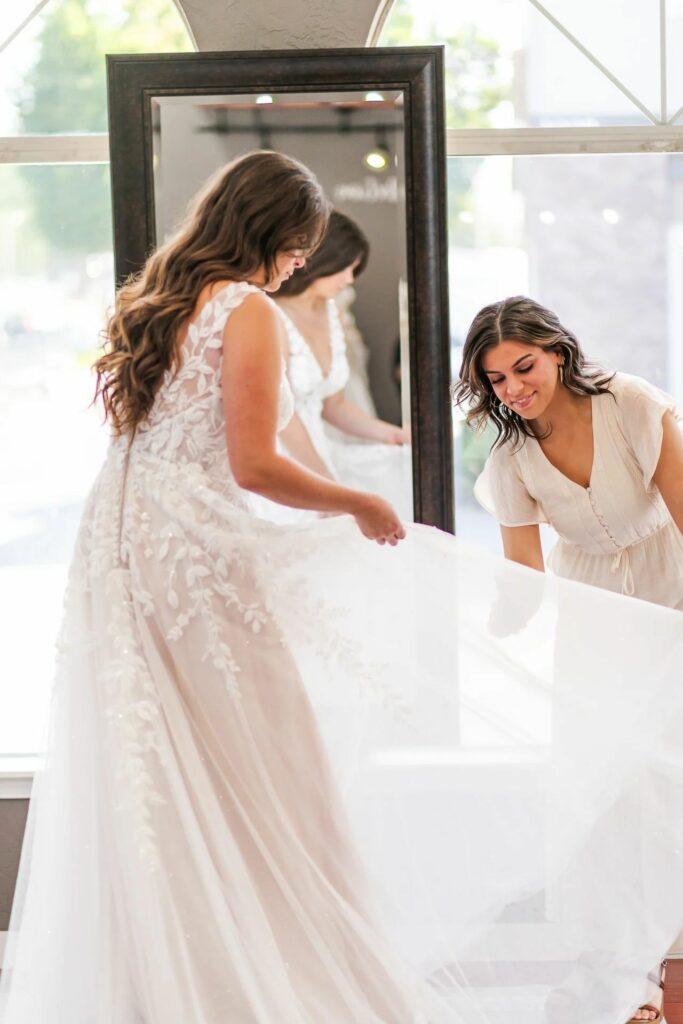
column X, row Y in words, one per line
column 16, row 776
column 15, row 787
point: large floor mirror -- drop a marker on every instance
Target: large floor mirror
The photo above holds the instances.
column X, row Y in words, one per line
column 370, row 125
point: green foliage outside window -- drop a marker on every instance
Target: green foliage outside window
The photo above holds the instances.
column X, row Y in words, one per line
column 65, row 91
column 474, row 75
column 476, row 83
column 475, row 86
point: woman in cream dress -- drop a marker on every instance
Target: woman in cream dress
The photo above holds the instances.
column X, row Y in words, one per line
column 598, row 456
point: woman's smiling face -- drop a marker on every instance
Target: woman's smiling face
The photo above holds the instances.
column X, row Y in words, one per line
column 525, row 378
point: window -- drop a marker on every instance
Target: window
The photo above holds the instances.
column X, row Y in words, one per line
column 564, row 180
column 56, row 282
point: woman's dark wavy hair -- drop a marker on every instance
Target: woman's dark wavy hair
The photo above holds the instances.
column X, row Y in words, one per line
column 260, row 205
column 523, row 320
column 343, row 244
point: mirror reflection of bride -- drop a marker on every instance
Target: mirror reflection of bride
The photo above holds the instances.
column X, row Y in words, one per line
column 329, row 433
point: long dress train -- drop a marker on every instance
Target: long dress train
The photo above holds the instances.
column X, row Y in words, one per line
column 296, row 778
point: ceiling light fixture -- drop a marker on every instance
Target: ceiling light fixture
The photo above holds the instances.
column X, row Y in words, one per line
column 377, row 158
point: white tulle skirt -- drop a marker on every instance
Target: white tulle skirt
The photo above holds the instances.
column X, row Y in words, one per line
column 378, row 468
column 296, row 778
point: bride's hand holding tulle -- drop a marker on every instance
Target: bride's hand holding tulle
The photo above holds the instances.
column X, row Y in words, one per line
column 377, row 520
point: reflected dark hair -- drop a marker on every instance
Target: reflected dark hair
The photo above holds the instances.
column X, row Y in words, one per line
column 523, row 320
column 342, row 245
column 259, row 206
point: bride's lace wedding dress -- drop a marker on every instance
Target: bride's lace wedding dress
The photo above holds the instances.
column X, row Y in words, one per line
column 296, row 778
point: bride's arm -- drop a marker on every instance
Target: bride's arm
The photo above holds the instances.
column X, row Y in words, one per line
column 252, row 365
column 297, row 441
column 348, row 417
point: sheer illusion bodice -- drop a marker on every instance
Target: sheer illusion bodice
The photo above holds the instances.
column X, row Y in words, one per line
column 311, row 385
column 296, row 778
column 187, row 425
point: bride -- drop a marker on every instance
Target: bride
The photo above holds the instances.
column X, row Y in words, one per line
column 318, row 371
column 294, row 777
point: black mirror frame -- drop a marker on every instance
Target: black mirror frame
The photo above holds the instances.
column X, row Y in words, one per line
column 133, row 79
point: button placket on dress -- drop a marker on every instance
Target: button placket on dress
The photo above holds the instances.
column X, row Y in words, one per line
column 622, row 558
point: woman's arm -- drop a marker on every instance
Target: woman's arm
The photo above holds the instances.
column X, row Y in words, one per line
column 523, row 544
column 346, row 416
column 252, row 368
column 669, row 472
column 297, row 441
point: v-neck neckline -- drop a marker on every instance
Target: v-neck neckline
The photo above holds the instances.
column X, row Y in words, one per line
column 587, row 487
column 325, row 375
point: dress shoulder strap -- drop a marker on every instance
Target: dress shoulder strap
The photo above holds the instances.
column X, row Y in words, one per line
column 336, row 329
column 233, row 294
column 340, row 363
column 296, row 342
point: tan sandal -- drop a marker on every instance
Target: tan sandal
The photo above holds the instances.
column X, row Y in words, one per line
column 659, row 1018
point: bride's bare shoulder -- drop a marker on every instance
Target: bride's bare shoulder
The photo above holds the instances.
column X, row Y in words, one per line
column 255, row 321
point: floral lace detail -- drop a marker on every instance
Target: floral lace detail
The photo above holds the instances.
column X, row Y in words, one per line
column 133, row 717
column 204, row 569
column 153, row 541
column 187, row 423
column 185, row 437
column 181, row 570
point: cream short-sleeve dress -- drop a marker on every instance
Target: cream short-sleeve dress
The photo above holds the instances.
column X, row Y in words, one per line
column 617, row 533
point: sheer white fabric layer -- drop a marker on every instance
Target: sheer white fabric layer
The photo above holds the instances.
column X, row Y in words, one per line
column 295, row 778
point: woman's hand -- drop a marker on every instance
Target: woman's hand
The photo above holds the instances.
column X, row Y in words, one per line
column 388, row 433
column 350, row 419
column 377, row 520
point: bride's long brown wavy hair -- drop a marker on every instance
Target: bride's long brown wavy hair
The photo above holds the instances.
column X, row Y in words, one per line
column 260, row 205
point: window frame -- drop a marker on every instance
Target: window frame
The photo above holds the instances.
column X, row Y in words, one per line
column 17, row 771
column 15, row 782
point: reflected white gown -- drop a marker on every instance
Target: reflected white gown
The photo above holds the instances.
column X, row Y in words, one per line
column 381, row 468
column 296, row 778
